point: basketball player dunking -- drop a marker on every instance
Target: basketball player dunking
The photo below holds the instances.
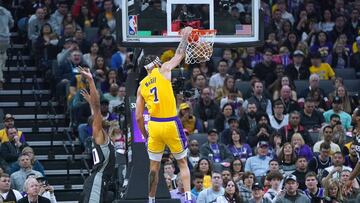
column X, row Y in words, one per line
column 164, row 127
column 95, row 186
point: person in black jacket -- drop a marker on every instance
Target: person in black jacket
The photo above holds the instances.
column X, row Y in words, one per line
column 215, row 151
column 206, row 109
column 262, row 131
column 11, row 150
column 265, row 70
column 298, row 70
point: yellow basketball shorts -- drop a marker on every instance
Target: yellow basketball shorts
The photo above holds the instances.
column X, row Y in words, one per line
column 166, row 132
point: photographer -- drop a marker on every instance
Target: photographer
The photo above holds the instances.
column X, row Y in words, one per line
column 46, row 190
column 119, row 100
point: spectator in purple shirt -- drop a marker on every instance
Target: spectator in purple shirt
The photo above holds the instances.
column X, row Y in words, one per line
column 237, row 146
column 179, row 192
column 301, row 149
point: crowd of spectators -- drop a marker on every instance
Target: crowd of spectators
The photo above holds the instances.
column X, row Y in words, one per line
column 259, row 141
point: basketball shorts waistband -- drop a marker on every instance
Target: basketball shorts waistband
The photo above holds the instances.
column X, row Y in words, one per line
column 175, row 118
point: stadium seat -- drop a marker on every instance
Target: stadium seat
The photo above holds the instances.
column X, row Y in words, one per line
column 175, row 73
column 243, row 86
column 352, row 86
column 200, row 137
column 347, row 73
column 91, row 33
column 326, row 85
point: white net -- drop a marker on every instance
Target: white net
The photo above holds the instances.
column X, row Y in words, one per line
column 200, row 46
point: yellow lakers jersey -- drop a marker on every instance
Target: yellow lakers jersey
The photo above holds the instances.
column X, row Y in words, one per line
column 158, row 95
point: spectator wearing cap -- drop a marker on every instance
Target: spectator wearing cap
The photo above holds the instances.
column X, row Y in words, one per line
column 221, row 120
column 238, row 147
column 246, row 188
column 258, row 194
column 345, row 118
column 291, row 193
column 67, row 47
column 294, row 126
column 324, row 70
column 327, row 134
column 18, row 178
column 259, row 164
column 275, row 179
column 11, row 149
column 297, row 70
column 206, row 109
column 312, row 191
column 188, row 120
column 301, row 171
column 262, row 131
column 209, row 195
column 310, row 117
column 258, row 98
column 215, row 151
column 9, row 123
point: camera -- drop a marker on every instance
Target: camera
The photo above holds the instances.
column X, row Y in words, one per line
column 178, row 87
column 120, row 109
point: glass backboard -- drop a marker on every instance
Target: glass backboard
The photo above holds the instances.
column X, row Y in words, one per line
column 146, row 23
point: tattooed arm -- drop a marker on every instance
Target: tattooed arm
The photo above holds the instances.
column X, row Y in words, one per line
column 179, row 54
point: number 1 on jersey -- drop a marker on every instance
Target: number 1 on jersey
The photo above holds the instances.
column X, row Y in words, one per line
column 154, row 91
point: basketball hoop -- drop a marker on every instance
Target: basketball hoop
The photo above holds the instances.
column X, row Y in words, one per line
column 200, row 46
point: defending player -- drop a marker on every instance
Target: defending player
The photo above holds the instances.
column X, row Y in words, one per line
column 164, row 127
column 103, row 150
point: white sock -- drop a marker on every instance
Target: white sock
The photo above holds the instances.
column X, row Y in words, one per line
column 151, row 199
column 188, row 195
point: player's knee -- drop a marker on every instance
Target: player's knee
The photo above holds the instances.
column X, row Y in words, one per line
column 182, row 162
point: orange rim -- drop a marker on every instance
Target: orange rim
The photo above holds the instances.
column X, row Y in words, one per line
column 197, row 32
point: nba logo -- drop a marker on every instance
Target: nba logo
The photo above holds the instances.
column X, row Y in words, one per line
column 133, row 24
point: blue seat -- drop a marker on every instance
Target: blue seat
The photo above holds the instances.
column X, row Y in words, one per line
column 352, row 86
column 200, row 137
column 346, row 73
column 243, row 86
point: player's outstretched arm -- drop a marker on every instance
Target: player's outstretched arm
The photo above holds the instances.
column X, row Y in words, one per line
column 140, row 105
column 180, row 51
column 94, row 100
